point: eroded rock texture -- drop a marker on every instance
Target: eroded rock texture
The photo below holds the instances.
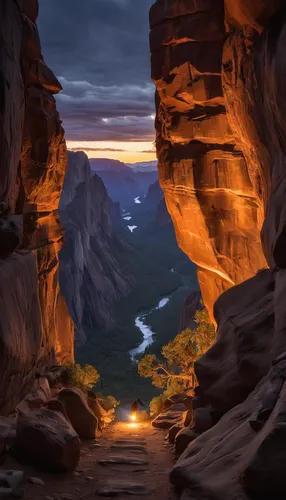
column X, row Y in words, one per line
column 33, row 163
column 208, row 186
column 241, row 393
column 93, row 278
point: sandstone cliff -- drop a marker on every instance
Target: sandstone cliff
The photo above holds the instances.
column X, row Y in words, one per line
column 92, row 277
column 240, row 401
column 35, row 328
column 208, row 186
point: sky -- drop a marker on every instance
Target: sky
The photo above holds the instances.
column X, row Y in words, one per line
column 99, row 51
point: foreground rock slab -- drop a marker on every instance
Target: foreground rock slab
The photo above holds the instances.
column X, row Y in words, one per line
column 130, row 447
column 11, row 478
column 123, row 460
column 135, row 441
column 45, row 438
column 116, row 488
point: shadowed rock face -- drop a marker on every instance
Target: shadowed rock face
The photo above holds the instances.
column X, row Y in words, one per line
column 216, row 208
column 33, row 164
column 92, row 277
column 242, row 376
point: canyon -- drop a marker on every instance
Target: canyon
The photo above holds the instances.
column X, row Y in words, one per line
column 218, row 68
column 110, row 276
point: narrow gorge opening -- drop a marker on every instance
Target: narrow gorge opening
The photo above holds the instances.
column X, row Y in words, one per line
column 142, row 315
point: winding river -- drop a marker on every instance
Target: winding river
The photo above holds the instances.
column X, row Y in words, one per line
column 146, row 330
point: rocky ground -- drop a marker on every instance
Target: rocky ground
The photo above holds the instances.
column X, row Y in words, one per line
column 127, row 459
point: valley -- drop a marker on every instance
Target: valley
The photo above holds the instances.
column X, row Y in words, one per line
column 142, row 266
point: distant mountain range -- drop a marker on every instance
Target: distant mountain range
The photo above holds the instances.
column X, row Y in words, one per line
column 150, row 166
column 124, row 182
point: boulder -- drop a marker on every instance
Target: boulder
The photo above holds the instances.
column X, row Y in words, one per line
column 232, row 460
column 56, row 405
column 168, row 419
column 202, row 419
column 11, row 478
column 96, row 408
column 175, row 429
column 82, row 418
column 183, row 439
column 45, row 438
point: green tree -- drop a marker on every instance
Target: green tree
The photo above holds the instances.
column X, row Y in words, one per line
column 83, row 377
column 174, row 370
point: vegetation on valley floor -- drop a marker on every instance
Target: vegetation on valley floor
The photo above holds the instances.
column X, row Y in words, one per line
column 173, row 371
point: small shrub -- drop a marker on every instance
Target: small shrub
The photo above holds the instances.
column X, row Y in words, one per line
column 83, row 377
column 108, row 402
column 157, row 405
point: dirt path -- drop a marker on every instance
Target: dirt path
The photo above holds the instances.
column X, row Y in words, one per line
column 128, row 459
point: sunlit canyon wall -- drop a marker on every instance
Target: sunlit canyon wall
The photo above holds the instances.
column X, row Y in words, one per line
column 224, row 205
column 214, row 198
column 35, row 328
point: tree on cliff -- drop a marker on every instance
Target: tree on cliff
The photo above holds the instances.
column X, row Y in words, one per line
column 174, row 370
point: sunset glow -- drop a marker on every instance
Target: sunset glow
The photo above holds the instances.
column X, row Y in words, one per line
column 128, row 152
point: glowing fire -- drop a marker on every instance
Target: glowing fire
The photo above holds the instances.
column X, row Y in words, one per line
column 133, row 417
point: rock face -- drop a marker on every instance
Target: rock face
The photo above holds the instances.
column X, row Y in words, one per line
column 191, row 305
column 45, row 437
column 91, row 276
column 241, row 393
column 208, row 188
column 83, row 420
column 33, row 164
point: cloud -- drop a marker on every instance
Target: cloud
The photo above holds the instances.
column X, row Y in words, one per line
column 97, row 113
column 99, row 49
column 109, row 150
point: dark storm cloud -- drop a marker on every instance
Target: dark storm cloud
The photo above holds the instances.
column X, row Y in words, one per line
column 99, row 49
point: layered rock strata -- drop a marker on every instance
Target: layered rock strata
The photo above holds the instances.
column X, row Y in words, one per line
column 215, row 205
column 241, row 393
column 35, row 328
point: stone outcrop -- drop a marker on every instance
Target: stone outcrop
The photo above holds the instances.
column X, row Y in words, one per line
column 44, row 437
column 91, row 276
column 35, row 328
column 82, row 418
column 239, row 405
column 216, row 207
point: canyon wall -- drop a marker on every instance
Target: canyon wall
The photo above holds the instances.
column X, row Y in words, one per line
column 214, row 200
column 241, row 398
column 35, row 328
column 91, row 275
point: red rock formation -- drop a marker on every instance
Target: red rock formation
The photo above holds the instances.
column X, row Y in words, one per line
column 243, row 375
column 40, row 330
column 208, row 187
